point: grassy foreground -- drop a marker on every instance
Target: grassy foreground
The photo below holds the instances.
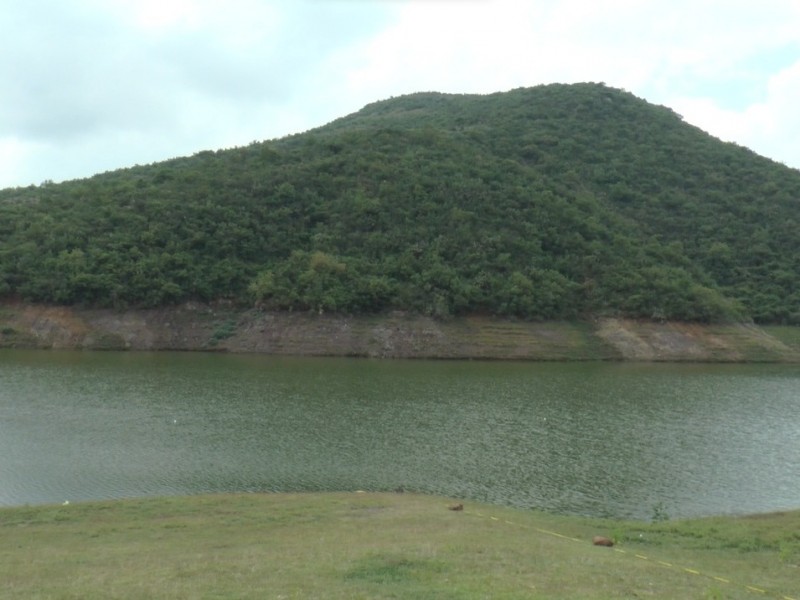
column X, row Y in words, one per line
column 364, row 545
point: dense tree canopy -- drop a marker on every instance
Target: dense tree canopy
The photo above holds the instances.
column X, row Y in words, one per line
column 553, row 202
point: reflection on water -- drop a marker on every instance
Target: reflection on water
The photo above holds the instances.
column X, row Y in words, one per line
column 597, row 439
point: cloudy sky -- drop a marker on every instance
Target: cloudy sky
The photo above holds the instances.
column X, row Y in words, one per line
column 88, row 86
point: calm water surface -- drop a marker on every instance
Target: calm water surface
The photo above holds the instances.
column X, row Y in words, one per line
column 597, row 439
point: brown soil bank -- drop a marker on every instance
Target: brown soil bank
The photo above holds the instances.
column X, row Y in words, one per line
column 397, row 335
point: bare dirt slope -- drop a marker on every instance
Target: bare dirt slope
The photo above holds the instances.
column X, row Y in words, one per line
column 195, row 326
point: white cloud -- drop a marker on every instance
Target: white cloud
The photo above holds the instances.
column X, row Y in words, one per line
column 489, row 45
column 13, row 156
column 93, row 85
column 159, row 15
column 770, row 127
column 90, row 85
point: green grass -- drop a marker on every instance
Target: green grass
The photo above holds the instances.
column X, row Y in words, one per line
column 789, row 335
column 223, row 331
column 356, row 545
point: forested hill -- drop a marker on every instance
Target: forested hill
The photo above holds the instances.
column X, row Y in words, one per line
column 552, row 202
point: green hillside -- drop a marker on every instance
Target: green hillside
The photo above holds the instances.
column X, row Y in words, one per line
column 553, row 202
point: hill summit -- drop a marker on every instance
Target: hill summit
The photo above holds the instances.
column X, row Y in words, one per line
column 551, row 202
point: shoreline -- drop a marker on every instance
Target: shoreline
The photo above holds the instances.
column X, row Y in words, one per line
column 224, row 328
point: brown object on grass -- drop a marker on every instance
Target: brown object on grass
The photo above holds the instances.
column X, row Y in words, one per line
column 456, row 507
column 599, row 540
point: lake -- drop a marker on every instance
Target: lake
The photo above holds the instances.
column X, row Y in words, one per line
column 600, row 439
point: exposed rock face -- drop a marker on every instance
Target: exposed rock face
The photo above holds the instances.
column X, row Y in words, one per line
column 194, row 326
